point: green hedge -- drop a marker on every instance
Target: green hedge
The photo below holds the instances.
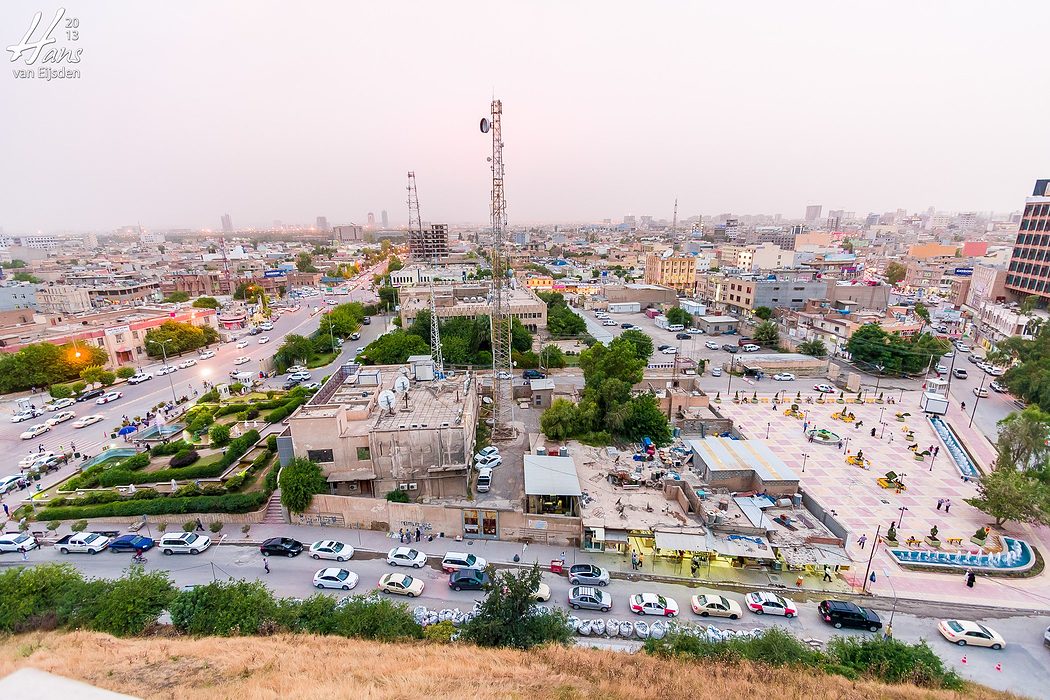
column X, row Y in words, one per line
column 170, row 448
column 230, row 408
column 120, row 477
column 230, row 503
column 279, row 414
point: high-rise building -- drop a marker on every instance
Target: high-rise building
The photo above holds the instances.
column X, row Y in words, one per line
column 322, row 223
column 384, row 219
column 813, row 212
column 348, row 233
column 430, row 244
column 227, row 224
column 371, row 220
column 1027, row 273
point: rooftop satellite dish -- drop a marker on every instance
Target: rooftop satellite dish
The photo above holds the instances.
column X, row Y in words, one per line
column 484, row 125
column 401, row 384
column 403, row 371
column 387, row 399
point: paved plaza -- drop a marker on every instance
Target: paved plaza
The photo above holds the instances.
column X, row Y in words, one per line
column 852, row 495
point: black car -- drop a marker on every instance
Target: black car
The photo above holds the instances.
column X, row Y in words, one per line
column 281, row 547
column 91, row 394
column 367, row 321
column 732, row 349
column 533, row 374
column 291, row 383
column 662, row 348
column 130, row 543
column 626, row 326
column 841, row 613
column 468, row 579
column 682, row 336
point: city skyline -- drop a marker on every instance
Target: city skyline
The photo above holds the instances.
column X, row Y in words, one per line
column 860, row 110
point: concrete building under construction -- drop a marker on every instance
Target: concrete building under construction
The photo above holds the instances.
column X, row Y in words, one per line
column 430, row 244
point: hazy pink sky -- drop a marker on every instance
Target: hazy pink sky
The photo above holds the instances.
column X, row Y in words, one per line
column 281, row 110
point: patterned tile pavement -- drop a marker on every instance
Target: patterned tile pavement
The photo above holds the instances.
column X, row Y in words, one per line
column 853, row 496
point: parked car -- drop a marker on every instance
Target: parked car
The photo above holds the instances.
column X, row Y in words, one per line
column 302, row 375
column 468, row 580
column 533, row 374
column 90, row 542
column 90, row 394
column 312, row 386
column 290, row 383
column 59, row 404
column 716, row 371
column 715, row 605
column 959, row 373
column 962, row 347
column 711, row 345
column 242, row 360
column 964, row 632
column 131, row 543
column 10, row 483
column 331, row 549
column 85, row 421
column 46, row 464
column 731, row 349
column 401, row 584
column 357, row 336
column 139, row 378
column 941, row 369
column 335, row 578
column 682, row 336
column 207, row 354
column 35, row 430
column 109, row 396
column 264, row 339
column 980, row 392
column 183, row 543
column 998, row 388
column 486, row 452
column 627, row 326
column 589, row 598
column 784, row 377
column 608, row 322
column 60, row 417
column 281, row 547
column 750, row 348
column 266, row 326
column 766, row 603
column 693, row 331
column 454, row 561
column 33, row 457
column 242, row 344
column 187, row 363
column 842, row 613
column 491, row 461
column 653, row 604
column 542, row 593
column 588, row 575
column 26, row 414
column 165, row 369
column 14, row 541
column 824, row 388
column 406, row 556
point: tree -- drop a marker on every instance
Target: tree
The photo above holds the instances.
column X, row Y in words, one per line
column 552, row 357
column 1010, row 495
column 520, row 338
column 562, row 322
column 388, row 296
column 125, row 372
column 220, row 435
column 923, row 313
column 300, row 480
column 178, row 337
column 679, row 315
column 560, row 421
column 394, row 264
column 304, row 262
column 642, row 342
column 92, row 375
column 763, row 312
column 814, row 348
column 506, row 617
column 1024, row 440
column 343, row 319
column 767, row 333
column 177, row 297
column 23, row 276
column 394, row 348
column 294, row 350
column 645, row 419
column 206, row 303
column 895, row 272
column 44, row 364
column 1028, row 304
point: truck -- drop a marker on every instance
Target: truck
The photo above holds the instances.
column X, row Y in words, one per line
column 745, row 341
column 652, row 313
column 662, row 322
column 90, row 542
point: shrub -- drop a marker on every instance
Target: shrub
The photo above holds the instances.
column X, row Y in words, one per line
column 125, row 372
column 236, row 481
column 61, row 391
column 35, row 597
column 200, row 421
column 230, row 408
column 119, row 477
column 774, row 647
column 210, row 396
column 506, row 617
column 369, row 618
column 170, row 448
column 216, row 526
column 77, row 387
column 138, row 461
column 128, row 605
column 271, row 443
column 224, row 608
column 189, row 526
column 54, row 525
column 441, row 632
column 397, row 496
column 252, row 413
column 141, row 494
column 271, row 479
column 184, row 458
column 228, row 503
column 220, row 436
column 236, row 388
column 892, row 661
column 161, row 527
column 300, row 480
column 78, row 526
column 279, row 414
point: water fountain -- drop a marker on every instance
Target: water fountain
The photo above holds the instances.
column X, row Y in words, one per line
column 1016, row 556
column 962, row 460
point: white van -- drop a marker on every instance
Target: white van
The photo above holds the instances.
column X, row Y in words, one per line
column 484, row 479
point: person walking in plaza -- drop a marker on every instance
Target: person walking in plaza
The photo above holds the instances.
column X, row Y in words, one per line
column 200, row 525
column 827, row 573
column 7, row 511
column 936, row 450
column 266, row 565
column 634, row 560
column 970, row 578
column 419, row 533
column 25, row 554
column 862, row 541
column 947, row 504
column 940, row 502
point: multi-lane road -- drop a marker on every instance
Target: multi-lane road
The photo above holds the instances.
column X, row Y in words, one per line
column 1023, row 660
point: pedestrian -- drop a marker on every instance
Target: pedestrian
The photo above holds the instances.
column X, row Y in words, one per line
column 695, row 565
column 970, row 578
column 401, row 535
column 805, row 425
column 25, row 555
column 940, row 502
column 634, row 559
column 873, row 432
column 200, row 525
column 891, row 438
column 827, row 573
column 73, row 447
column 7, row 511
column 872, row 578
column 419, row 533
column 266, row 565
column 40, row 447
column 862, row 541
column 947, row 505
column 936, row 450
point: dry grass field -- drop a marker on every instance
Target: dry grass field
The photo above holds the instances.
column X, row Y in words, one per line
column 323, row 668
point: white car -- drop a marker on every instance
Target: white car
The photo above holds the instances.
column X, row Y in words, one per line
column 32, row 458
column 824, row 388
column 60, row 404
column 296, row 368
column 406, row 556
column 266, row 326
column 186, row 364
column 486, row 452
column 335, row 578
column 60, row 417
column 653, row 604
column 312, row 386
column 108, row 396
column 963, row 347
column 330, row 549
column 9, row 483
column 139, row 378
column 941, row 369
column 492, row 461
column 711, row 345
column 35, row 430
column 264, row 339
column 183, row 543
column 358, row 351
column 207, row 354
column 85, row 421
column 454, row 561
column 608, row 322
column 13, row 541
column 301, row 375
column 503, row 374
column 784, row 377
column 26, row 414
column 165, row 369
column 750, row 347
column 242, row 343
column 242, row 360
column 765, row 603
column 693, row 331
column 670, row 351
column 980, row 392
column 716, row 605
column 963, row 632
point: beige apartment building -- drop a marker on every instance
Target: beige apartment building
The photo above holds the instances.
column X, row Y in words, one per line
column 470, row 300
column 62, row 299
column 676, row 272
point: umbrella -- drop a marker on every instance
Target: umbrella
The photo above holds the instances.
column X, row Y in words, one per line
column 127, row 430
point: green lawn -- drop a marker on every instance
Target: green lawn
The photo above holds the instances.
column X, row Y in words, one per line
column 321, row 359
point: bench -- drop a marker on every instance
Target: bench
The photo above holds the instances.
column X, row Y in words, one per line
column 953, row 540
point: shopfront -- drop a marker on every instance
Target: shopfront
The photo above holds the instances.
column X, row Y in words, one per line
column 480, row 523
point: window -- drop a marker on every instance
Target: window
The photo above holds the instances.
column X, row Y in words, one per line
column 364, row 454
column 320, row 455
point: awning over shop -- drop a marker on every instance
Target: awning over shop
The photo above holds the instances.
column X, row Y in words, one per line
column 352, row 475
column 813, row 555
column 686, row 541
column 751, row 546
column 599, row 533
column 615, row 535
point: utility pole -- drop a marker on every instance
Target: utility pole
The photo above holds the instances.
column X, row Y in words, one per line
column 874, row 546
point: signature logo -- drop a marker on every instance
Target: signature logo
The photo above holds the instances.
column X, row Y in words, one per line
column 54, row 54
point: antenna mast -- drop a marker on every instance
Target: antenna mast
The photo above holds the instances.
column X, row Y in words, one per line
column 674, row 221
column 225, row 265
column 415, row 235
column 502, row 398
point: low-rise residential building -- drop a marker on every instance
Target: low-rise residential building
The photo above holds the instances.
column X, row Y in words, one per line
column 471, row 300
column 62, row 299
column 676, row 272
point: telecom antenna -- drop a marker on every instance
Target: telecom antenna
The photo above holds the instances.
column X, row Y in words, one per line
column 674, row 221
column 417, row 246
column 502, row 388
column 225, row 265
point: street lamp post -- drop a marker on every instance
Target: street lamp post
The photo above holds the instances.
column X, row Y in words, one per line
column 893, row 610
column 901, row 519
column 978, row 399
column 767, row 431
column 732, row 362
column 164, row 354
column 804, row 458
column 878, row 378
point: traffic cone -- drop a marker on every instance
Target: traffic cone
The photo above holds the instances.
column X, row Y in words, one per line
column 998, row 667
column 964, row 659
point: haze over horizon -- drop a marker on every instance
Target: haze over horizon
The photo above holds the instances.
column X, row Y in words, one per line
column 266, row 110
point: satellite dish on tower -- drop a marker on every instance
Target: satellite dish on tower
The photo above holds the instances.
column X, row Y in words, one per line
column 485, row 125
column 387, row 399
column 401, row 384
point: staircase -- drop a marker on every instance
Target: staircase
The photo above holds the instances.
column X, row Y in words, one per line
column 274, row 513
